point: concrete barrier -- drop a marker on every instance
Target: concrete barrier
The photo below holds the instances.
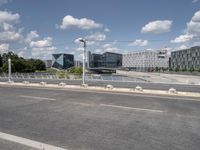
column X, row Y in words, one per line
column 43, row 83
column 109, row 86
column 172, row 91
column 62, row 84
column 139, row 88
column 84, row 85
column 26, row 82
column 10, row 82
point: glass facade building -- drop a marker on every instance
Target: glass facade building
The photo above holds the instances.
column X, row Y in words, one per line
column 105, row 60
column 186, row 59
column 62, row 61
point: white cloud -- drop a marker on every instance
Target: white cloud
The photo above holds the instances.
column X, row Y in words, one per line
column 182, row 38
column 108, row 48
column 83, row 23
column 7, row 29
column 107, row 30
column 8, row 17
column 182, row 47
column 4, row 48
column 158, row 26
column 192, row 31
column 31, row 36
column 139, row 42
column 195, row 1
column 193, row 27
column 46, row 42
column 10, row 36
column 96, row 37
column 92, row 39
column 43, row 52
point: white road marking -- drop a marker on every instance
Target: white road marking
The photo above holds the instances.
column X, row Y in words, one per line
column 37, row 98
column 132, row 108
column 83, row 104
column 28, row 142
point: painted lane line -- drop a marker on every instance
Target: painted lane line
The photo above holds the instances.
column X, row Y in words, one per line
column 83, row 104
column 132, row 108
column 37, row 98
column 28, row 142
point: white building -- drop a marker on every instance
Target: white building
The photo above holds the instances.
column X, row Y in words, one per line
column 146, row 60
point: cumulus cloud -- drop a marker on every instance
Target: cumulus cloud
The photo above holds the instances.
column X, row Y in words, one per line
column 96, row 37
column 193, row 27
column 31, row 36
column 182, row 38
column 182, row 47
column 42, row 49
column 10, row 36
column 7, row 30
column 107, row 30
column 43, row 52
column 46, row 42
column 139, row 42
column 192, row 30
column 92, row 39
column 83, row 23
column 8, row 17
column 157, row 27
column 109, row 47
column 4, row 48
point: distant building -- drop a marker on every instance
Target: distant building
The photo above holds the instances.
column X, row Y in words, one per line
column 186, row 59
column 146, row 60
column 48, row 63
column 105, row 60
column 78, row 63
column 62, row 61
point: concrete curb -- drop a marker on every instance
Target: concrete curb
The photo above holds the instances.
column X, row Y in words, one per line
column 105, row 89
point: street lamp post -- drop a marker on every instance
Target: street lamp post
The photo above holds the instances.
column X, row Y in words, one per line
column 84, row 52
column 9, row 70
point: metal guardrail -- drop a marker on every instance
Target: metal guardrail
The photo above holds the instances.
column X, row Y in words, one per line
column 89, row 77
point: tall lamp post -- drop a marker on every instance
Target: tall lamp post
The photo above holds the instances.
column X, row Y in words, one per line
column 84, row 53
column 9, row 70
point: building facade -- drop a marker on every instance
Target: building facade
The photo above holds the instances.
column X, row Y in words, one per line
column 146, row 60
column 105, row 60
column 62, row 61
column 186, row 59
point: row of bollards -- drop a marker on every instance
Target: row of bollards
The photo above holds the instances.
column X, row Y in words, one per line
column 109, row 86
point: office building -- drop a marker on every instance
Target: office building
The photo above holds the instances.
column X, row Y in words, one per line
column 147, row 60
column 105, row 60
column 62, row 61
column 186, row 59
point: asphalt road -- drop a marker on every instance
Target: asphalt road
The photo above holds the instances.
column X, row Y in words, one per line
column 154, row 86
column 82, row 120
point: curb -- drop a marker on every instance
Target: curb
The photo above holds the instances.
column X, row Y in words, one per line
column 106, row 89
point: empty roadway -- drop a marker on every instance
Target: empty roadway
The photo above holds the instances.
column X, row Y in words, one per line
column 83, row 120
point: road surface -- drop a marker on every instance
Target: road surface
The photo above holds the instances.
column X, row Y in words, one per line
column 83, row 120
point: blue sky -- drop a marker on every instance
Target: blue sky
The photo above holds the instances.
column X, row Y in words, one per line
column 38, row 28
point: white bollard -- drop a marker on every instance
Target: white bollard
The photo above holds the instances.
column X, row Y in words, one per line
column 26, row 82
column 172, row 91
column 84, row 85
column 43, row 83
column 109, row 86
column 139, row 88
column 62, row 84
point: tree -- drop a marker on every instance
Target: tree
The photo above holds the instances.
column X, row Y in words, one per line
column 1, row 61
column 20, row 64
